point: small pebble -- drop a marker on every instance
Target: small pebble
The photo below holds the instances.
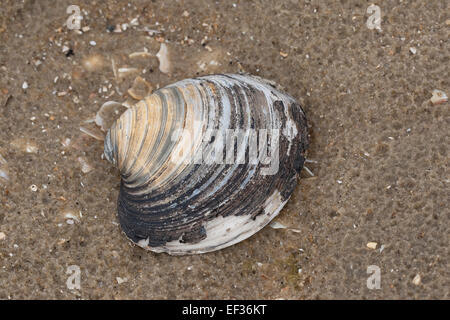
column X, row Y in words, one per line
column 277, row 225
column 33, row 187
column 165, row 65
column 25, row 85
column 121, row 280
column 2, row 235
column 92, row 43
column 413, row 50
column 417, row 279
column 372, row 245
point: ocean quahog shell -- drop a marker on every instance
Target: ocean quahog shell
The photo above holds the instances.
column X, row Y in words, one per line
column 206, row 162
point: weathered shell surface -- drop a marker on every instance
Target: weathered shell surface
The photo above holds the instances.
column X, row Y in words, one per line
column 168, row 204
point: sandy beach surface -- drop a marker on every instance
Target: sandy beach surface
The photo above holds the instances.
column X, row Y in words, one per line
column 373, row 206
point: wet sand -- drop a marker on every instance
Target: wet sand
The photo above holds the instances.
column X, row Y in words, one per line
column 379, row 191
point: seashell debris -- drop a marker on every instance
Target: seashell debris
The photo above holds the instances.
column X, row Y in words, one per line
column 277, row 225
column 85, row 166
column 438, row 97
column 207, row 162
column 107, row 113
column 372, row 245
column 165, row 65
column 140, row 89
column 24, row 145
column 417, row 280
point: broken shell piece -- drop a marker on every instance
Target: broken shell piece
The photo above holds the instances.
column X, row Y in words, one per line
column 71, row 217
column 85, row 166
column 140, row 89
column 151, row 32
column 123, row 72
column 108, row 113
column 438, row 97
column 372, row 245
column 93, row 132
column 140, row 54
column 4, row 175
column 114, row 68
column 277, row 225
column 165, row 66
column 417, row 280
column 121, row 280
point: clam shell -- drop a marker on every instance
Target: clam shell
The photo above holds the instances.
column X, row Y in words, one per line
column 207, row 162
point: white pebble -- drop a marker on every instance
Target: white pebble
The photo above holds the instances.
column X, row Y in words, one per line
column 25, row 85
column 121, row 280
column 372, row 245
column 438, row 97
column 417, row 279
column 277, row 225
column 92, row 43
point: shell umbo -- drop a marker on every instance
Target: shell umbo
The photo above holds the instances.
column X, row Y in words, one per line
column 173, row 198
